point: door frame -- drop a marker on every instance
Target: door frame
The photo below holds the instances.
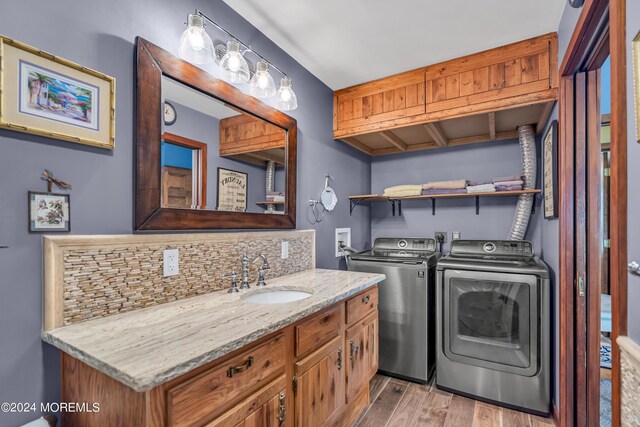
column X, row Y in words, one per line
column 583, row 45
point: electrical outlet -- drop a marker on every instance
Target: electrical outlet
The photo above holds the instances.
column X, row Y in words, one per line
column 285, row 250
column 441, row 236
column 170, row 262
column 455, row 235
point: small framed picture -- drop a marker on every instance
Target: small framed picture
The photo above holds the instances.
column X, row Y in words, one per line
column 550, row 169
column 232, row 191
column 48, row 212
column 50, row 96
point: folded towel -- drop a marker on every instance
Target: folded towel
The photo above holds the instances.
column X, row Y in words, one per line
column 483, row 182
column 443, row 191
column 507, row 178
column 508, row 187
column 486, row 188
column 510, row 183
column 445, row 185
column 403, row 191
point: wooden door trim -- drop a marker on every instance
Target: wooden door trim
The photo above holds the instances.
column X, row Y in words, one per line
column 582, row 44
column 201, row 149
column 618, row 192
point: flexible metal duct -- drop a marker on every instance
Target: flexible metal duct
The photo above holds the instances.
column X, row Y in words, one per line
column 271, row 181
column 525, row 201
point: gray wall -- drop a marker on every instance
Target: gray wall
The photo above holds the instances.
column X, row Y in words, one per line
column 633, row 199
column 472, row 162
column 101, row 35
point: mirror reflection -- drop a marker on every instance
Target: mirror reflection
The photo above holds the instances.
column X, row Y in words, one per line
column 216, row 157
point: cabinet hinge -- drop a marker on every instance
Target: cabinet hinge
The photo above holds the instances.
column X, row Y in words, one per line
column 607, row 243
column 295, row 384
column 607, row 172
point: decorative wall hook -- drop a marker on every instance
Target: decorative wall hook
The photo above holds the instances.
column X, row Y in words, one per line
column 48, row 176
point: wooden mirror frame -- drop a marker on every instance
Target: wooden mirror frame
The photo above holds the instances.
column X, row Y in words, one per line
column 152, row 63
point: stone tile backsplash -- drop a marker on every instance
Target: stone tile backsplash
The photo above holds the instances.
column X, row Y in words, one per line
column 106, row 280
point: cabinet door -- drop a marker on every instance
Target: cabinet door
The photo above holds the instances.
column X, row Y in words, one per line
column 361, row 345
column 320, row 385
column 264, row 408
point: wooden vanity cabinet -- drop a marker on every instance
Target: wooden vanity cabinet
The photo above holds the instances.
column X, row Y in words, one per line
column 320, row 386
column 314, row 372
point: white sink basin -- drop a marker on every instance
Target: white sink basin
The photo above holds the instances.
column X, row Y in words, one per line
column 275, row 296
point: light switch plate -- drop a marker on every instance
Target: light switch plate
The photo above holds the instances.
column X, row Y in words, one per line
column 170, row 262
column 285, row 250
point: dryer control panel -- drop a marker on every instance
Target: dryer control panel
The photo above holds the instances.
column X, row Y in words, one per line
column 509, row 248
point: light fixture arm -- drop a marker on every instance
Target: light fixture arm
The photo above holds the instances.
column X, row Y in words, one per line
column 245, row 46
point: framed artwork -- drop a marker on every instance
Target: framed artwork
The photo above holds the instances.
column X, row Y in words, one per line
column 49, row 212
column 232, row 191
column 636, row 82
column 46, row 95
column 550, row 171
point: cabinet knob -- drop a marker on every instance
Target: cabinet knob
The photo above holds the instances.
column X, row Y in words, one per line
column 365, row 299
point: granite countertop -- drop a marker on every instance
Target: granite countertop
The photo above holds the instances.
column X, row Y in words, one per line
column 150, row 346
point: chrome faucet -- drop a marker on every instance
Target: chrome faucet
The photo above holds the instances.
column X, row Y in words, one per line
column 246, row 264
column 263, row 267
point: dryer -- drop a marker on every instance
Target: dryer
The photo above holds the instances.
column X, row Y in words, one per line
column 493, row 314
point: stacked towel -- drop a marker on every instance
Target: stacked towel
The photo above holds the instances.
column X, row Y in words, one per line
column 274, row 196
column 484, row 188
column 481, row 182
column 445, row 185
column 403, row 191
column 508, row 187
column 442, row 191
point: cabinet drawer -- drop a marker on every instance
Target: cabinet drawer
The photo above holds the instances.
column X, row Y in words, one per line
column 362, row 304
column 204, row 396
column 318, row 330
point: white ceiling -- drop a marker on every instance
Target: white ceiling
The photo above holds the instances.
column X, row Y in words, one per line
column 346, row 42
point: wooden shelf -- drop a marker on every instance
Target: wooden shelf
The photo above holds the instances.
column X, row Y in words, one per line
column 396, row 202
column 269, row 203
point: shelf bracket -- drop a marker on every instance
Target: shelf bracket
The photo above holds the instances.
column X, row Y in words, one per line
column 352, row 205
column 533, row 205
column 393, row 207
column 477, row 205
column 399, row 202
column 433, row 206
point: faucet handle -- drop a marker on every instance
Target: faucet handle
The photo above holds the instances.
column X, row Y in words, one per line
column 261, row 279
column 234, row 283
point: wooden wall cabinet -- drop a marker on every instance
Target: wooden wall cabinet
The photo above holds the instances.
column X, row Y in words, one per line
column 248, row 139
column 314, row 372
column 476, row 98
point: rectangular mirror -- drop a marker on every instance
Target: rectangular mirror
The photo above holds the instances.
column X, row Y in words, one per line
column 209, row 155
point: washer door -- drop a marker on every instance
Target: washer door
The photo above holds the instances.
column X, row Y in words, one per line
column 491, row 320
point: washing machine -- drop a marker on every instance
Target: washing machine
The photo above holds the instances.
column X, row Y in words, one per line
column 406, row 304
column 493, row 331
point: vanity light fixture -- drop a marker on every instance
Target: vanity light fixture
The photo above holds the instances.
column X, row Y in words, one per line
column 195, row 44
column 234, row 64
column 196, row 47
column 286, row 96
column 262, row 85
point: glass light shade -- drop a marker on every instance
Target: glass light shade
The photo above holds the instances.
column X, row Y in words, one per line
column 286, row 96
column 234, row 64
column 195, row 44
column 262, row 84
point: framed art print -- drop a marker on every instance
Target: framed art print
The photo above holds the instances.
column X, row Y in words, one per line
column 232, row 191
column 550, row 171
column 49, row 212
column 50, row 96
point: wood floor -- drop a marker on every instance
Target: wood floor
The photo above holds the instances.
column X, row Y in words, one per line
column 400, row 403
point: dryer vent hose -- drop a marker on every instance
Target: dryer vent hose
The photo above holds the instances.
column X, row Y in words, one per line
column 527, row 138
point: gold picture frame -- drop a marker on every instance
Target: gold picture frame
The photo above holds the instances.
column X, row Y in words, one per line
column 46, row 95
column 636, row 82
